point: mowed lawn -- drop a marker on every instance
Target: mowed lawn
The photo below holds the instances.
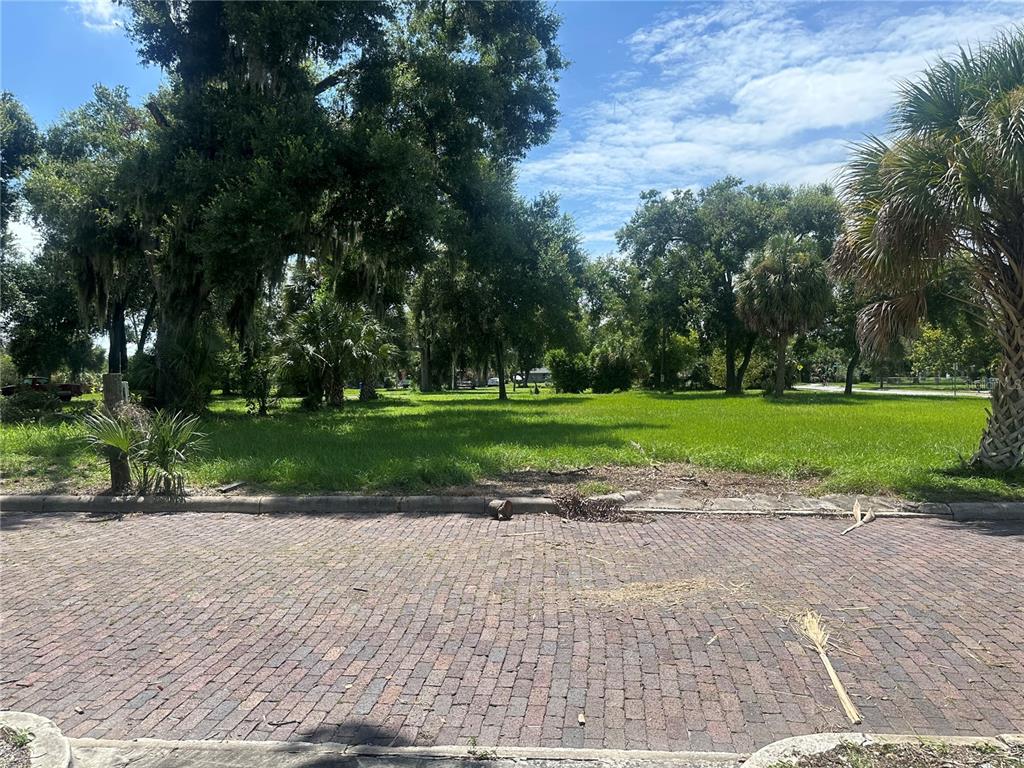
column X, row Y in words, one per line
column 413, row 442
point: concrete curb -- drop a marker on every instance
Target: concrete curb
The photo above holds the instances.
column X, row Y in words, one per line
column 49, row 748
column 440, row 752
column 473, row 505
column 791, row 749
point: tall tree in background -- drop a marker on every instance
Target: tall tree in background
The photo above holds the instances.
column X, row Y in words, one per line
column 664, row 241
column 949, row 183
column 334, row 129
column 79, row 197
column 784, row 291
column 19, row 145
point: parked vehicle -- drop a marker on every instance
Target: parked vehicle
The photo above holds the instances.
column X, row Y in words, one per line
column 492, row 382
column 64, row 391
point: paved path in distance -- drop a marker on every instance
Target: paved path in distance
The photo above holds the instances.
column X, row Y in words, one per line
column 895, row 391
column 676, row 634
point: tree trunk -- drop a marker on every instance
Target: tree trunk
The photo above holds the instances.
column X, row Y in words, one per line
column 780, row 364
column 1002, row 443
column 425, row 366
column 851, row 368
column 661, row 365
column 455, row 360
column 731, row 387
column 499, row 360
column 117, row 356
column 741, row 370
column 147, row 324
column 180, row 353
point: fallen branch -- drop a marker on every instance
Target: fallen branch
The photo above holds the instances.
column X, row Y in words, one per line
column 563, row 472
column 812, row 629
column 860, row 517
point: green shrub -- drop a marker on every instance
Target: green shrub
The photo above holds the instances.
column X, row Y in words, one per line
column 158, row 445
column 569, row 373
column 612, row 369
column 29, row 405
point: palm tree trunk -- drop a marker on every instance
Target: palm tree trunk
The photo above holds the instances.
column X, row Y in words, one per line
column 851, row 368
column 780, row 364
column 1002, row 443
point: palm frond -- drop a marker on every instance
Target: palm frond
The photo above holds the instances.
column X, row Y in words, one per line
column 882, row 323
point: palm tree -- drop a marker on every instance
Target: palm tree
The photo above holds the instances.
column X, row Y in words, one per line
column 784, row 291
column 949, row 184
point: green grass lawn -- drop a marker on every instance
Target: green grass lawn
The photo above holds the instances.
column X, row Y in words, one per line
column 413, row 442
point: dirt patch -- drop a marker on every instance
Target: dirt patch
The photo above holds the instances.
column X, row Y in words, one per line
column 700, row 481
column 921, row 755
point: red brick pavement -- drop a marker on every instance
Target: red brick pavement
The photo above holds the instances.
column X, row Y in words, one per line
column 432, row 630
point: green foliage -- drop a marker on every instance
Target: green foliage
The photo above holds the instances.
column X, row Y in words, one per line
column 44, row 328
column 329, row 343
column 85, row 208
column 785, row 290
column 615, row 364
column 612, row 370
column 16, row 737
column 259, row 377
column 29, row 405
column 947, row 185
column 569, row 373
column 159, row 446
column 689, row 252
column 257, row 157
column 19, row 143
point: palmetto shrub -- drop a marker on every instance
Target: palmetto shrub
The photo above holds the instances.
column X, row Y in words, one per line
column 158, row 445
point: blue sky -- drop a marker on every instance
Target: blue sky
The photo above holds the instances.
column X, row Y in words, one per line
column 659, row 95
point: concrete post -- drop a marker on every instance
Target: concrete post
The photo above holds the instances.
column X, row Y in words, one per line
column 113, row 395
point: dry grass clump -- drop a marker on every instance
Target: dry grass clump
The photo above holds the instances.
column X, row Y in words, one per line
column 666, row 593
column 572, row 506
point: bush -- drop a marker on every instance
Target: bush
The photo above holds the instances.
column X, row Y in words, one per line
column 29, row 405
column 569, row 373
column 612, row 369
column 259, row 377
column 158, row 445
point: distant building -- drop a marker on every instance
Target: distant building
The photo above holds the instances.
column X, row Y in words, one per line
column 538, row 376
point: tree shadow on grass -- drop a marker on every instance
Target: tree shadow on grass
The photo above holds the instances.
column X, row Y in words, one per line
column 791, row 397
column 402, row 451
column 965, row 483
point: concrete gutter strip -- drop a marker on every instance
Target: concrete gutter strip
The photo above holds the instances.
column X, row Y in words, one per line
column 442, row 752
column 340, row 504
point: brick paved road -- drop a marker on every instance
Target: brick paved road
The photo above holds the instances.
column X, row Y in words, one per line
column 433, row 630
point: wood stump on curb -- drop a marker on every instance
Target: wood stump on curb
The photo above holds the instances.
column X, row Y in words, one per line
column 500, row 509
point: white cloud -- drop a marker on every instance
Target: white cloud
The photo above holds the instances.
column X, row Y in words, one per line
column 766, row 91
column 101, row 15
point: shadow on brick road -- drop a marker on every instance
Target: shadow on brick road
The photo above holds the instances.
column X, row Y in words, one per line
column 352, row 732
column 987, row 529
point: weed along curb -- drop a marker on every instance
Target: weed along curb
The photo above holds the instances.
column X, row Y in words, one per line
column 788, row 751
column 631, row 501
column 48, row 748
